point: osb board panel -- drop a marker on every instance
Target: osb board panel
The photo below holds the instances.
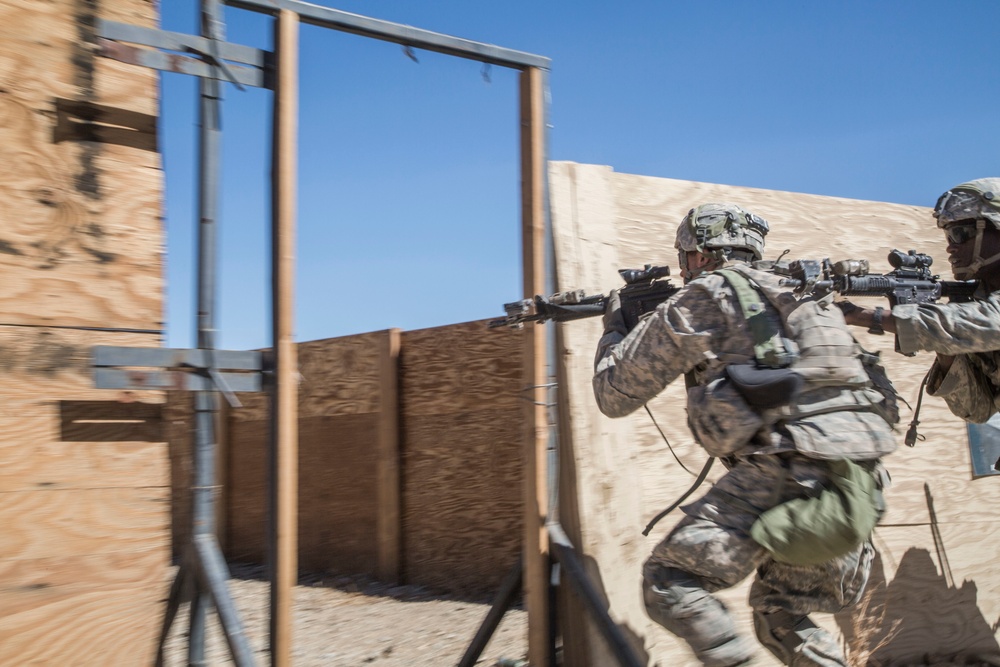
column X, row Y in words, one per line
column 462, row 456
column 336, row 492
column 460, row 368
column 80, row 181
column 338, row 376
column 622, row 471
column 61, row 432
column 462, row 500
column 103, row 609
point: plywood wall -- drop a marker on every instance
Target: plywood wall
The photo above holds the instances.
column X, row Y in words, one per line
column 410, row 462
column 84, row 488
column 617, row 474
column 461, row 388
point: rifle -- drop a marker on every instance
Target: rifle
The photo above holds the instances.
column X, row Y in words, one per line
column 644, row 290
column 911, row 281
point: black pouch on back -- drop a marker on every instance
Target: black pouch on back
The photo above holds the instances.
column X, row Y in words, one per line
column 765, row 388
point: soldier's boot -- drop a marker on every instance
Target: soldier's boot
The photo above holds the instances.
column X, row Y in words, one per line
column 796, row 641
column 677, row 601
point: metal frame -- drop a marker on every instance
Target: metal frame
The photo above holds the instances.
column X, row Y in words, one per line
column 203, row 572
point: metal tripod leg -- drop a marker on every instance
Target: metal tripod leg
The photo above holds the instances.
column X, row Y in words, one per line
column 179, row 590
column 213, row 573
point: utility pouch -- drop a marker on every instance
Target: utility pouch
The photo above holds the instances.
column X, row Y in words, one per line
column 765, row 388
column 720, row 418
column 810, row 531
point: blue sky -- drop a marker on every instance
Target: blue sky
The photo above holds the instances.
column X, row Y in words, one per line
column 408, row 194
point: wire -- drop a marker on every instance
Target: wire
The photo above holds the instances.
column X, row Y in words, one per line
column 688, row 471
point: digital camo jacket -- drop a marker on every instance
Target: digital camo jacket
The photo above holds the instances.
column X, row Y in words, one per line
column 702, row 329
column 971, row 333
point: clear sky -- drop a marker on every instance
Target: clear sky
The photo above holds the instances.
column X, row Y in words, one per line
column 408, row 193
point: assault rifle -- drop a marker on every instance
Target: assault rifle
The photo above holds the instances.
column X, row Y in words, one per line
column 911, row 281
column 644, row 290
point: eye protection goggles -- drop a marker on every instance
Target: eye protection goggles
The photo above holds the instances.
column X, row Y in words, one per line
column 960, row 232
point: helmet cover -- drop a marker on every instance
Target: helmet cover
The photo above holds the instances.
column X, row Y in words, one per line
column 717, row 229
column 978, row 199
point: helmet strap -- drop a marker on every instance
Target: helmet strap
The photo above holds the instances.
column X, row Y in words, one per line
column 978, row 262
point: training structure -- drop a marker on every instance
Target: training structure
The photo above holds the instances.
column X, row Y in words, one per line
column 934, row 590
column 84, row 476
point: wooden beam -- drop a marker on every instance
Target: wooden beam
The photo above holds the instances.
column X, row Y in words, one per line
column 388, row 520
column 536, row 557
column 283, row 538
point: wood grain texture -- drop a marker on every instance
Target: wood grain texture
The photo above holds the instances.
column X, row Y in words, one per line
column 462, row 456
column 80, row 178
column 109, row 605
column 458, row 400
column 84, row 493
column 59, row 432
column 620, row 472
column 337, row 485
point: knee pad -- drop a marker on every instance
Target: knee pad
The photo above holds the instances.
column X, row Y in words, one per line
column 795, row 640
column 677, row 601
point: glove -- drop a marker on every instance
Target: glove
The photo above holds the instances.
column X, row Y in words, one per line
column 614, row 320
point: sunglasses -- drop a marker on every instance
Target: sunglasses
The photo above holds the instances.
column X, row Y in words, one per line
column 960, row 232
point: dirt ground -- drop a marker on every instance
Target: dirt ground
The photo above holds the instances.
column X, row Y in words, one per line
column 355, row 622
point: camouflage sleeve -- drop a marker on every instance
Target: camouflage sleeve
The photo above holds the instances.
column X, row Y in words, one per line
column 953, row 328
column 631, row 370
column 968, row 393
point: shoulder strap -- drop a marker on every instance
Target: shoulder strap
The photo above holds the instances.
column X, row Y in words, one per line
column 761, row 328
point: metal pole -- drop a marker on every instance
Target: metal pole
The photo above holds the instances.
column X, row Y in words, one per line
column 203, row 509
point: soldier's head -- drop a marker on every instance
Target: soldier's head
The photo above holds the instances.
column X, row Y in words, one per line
column 712, row 234
column 969, row 214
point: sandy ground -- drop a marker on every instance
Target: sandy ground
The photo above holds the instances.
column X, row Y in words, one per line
column 354, row 622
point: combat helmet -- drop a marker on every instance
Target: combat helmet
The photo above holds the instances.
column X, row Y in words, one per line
column 723, row 231
column 977, row 201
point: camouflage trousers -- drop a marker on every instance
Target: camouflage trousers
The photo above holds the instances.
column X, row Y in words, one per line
column 711, row 549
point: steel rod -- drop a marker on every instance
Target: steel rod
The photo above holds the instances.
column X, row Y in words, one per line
column 504, row 599
column 398, row 33
column 562, row 550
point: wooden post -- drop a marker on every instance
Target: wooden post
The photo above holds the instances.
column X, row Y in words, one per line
column 536, row 573
column 388, row 528
column 283, row 487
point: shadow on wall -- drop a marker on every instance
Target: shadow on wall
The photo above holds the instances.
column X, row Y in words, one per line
column 921, row 616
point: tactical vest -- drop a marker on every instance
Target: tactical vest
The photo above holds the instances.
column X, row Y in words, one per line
column 812, row 340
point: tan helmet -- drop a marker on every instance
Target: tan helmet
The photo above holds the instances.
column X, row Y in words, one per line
column 723, row 231
column 976, row 202
column 978, row 199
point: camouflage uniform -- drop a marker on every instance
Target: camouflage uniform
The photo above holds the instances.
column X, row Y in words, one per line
column 970, row 332
column 698, row 332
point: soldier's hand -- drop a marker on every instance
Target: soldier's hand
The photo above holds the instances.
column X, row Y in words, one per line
column 851, row 312
column 613, row 318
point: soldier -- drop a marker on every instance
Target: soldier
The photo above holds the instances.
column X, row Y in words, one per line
column 966, row 336
column 777, row 387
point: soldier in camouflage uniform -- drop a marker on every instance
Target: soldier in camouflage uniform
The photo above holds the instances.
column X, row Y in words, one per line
column 779, row 449
column 966, row 336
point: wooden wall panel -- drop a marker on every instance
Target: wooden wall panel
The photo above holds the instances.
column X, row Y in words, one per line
column 462, row 456
column 457, row 406
column 340, row 412
column 84, row 501
column 95, row 608
column 80, row 178
column 619, row 473
column 84, row 494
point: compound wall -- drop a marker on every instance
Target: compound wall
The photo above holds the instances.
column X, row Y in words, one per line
column 935, row 589
column 84, row 481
